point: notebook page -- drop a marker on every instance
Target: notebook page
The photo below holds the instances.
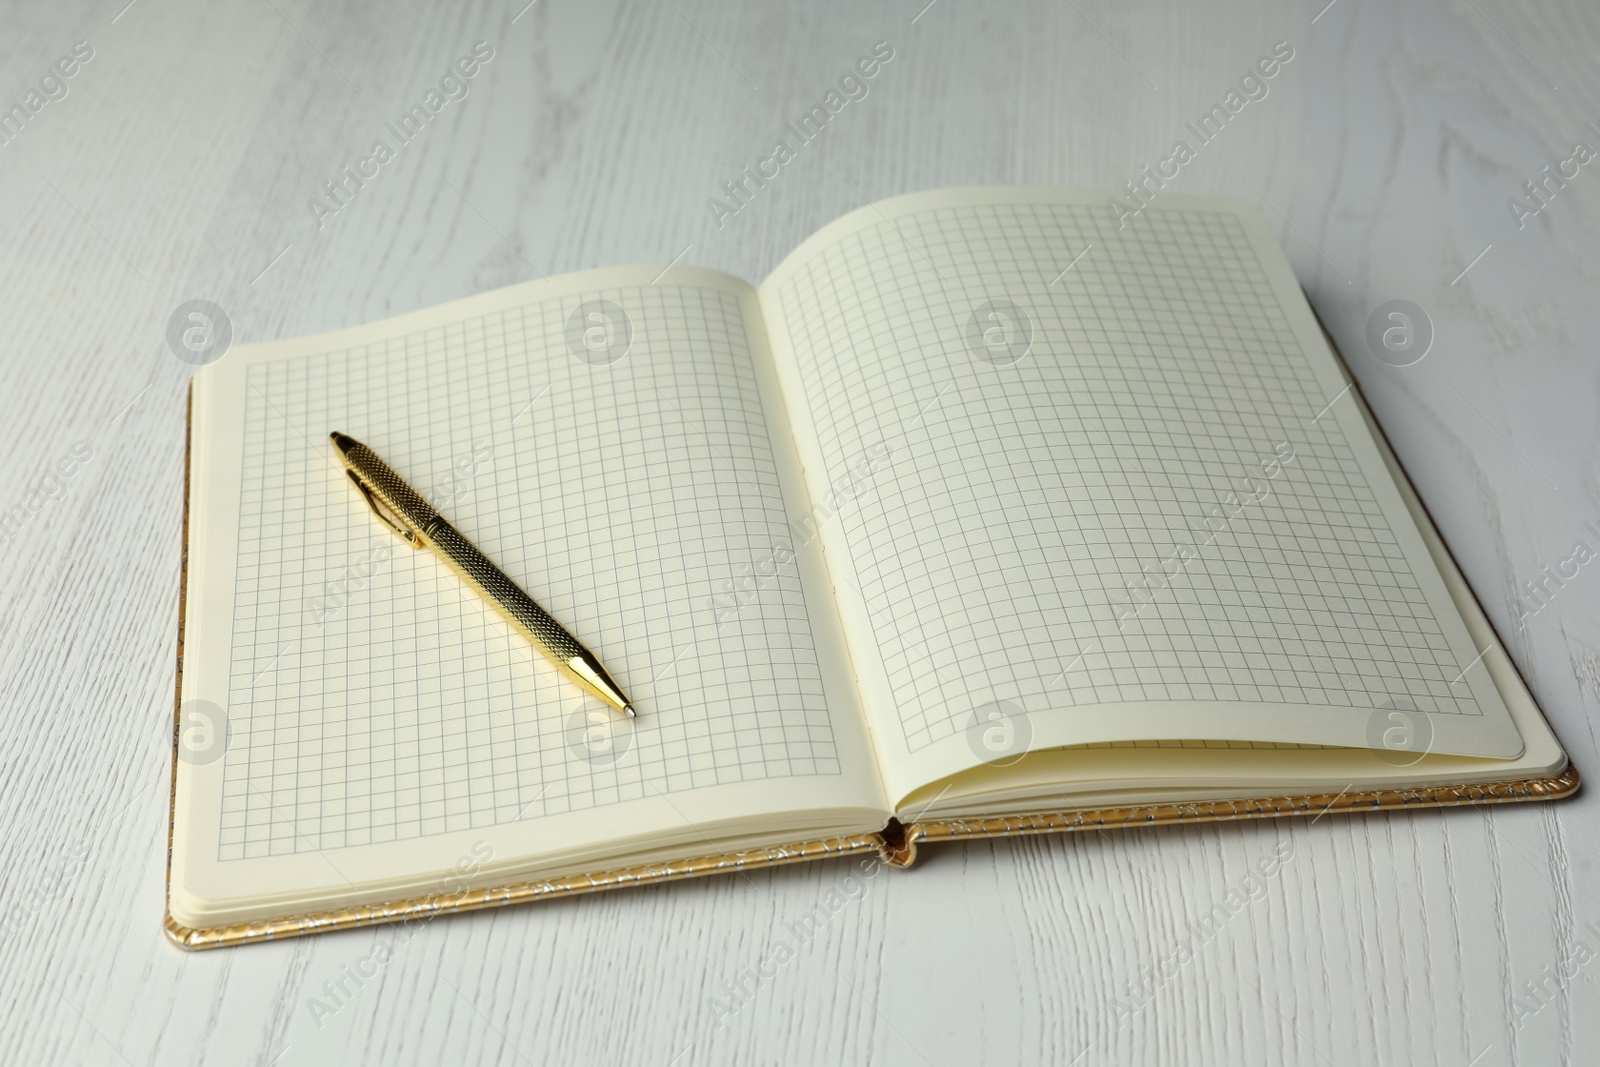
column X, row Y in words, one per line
column 1122, row 499
column 384, row 720
column 1152, row 772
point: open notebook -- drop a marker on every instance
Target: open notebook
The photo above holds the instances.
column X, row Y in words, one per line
column 980, row 515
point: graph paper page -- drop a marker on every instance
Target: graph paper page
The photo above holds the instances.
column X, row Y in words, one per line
column 607, row 442
column 1121, row 495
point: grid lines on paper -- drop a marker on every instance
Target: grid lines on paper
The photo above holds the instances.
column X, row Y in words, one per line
column 374, row 698
column 996, row 554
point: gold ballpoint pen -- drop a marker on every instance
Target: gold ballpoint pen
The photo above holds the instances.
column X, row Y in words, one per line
column 414, row 519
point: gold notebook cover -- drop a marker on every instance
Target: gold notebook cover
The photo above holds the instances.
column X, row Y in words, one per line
column 896, row 845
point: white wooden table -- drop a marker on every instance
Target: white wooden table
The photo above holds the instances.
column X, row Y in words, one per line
column 178, row 165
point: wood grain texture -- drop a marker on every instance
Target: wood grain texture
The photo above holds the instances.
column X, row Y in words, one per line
column 178, row 167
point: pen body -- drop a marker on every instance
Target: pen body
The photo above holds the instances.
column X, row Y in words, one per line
column 519, row 609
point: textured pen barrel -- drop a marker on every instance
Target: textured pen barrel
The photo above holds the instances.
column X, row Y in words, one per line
column 520, row 609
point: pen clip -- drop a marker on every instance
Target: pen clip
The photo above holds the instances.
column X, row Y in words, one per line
column 402, row 508
column 380, row 509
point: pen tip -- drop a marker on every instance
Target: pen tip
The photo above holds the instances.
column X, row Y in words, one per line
column 627, row 709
